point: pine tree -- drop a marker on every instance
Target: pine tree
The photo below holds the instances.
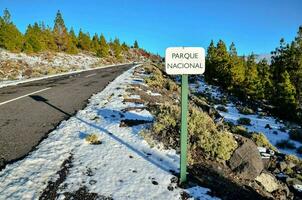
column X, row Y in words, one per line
column 6, row 16
column 285, row 96
column 264, row 74
column 117, row 49
column 296, row 63
column 33, row 39
column 95, row 46
column 104, row 47
column 222, row 65
column 252, row 82
column 237, row 70
column 73, row 37
column 210, row 62
column 10, row 37
column 49, row 39
column 135, row 45
column 61, row 34
column 125, row 47
column 84, row 41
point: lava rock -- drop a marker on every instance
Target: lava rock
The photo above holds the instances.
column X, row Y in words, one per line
column 268, row 181
column 246, row 160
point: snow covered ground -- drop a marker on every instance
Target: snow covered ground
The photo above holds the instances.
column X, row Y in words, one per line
column 258, row 123
column 16, row 82
column 51, row 59
column 123, row 166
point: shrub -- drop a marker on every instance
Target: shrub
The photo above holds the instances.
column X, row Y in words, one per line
column 240, row 130
column 166, row 127
column 203, row 134
column 171, row 85
column 285, row 144
column 214, row 144
column 296, row 134
column 245, row 110
column 93, row 139
column 244, row 121
column 292, row 159
column 261, row 141
column 222, row 108
column 156, row 80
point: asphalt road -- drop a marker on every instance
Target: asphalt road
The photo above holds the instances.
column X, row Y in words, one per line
column 29, row 111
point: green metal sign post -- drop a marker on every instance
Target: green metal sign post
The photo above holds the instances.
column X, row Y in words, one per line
column 184, row 61
column 184, row 128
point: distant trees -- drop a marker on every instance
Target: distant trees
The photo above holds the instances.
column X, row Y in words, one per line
column 287, row 74
column 10, row 37
column 103, row 51
column 279, row 82
column 38, row 38
column 117, row 49
column 135, row 45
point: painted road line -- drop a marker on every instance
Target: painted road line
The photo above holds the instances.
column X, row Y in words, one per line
column 5, row 102
column 90, row 75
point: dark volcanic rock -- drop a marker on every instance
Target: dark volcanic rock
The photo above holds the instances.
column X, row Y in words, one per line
column 2, row 163
column 246, row 160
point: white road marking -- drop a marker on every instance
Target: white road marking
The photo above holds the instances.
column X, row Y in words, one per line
column 5, row 102
column 90, row 75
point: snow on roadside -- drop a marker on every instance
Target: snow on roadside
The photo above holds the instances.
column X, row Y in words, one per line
column 258, row 123
column 55, row 60
column 123, row 166
column 16, row 82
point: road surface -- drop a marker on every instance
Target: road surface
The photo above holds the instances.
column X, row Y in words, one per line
column 29, row 111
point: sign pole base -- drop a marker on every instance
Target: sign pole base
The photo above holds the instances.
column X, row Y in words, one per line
column 184, row 128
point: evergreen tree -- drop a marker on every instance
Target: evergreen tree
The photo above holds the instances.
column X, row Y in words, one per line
column 104, row 47
column 252, row 82
column 6, row 16
column 84, row 41
column 72, row 42
column 210, row 62
column 117, row 49
column 125, row 47
column 73, row 37
column 61, row 34
column 296, row 63
column 95, row 46
column 135, row 45
column 237, row 69
column 33, row 39
column 265, row 76
column 10, row 37
column 49, row 39
column 285, row 96
column 223, row 72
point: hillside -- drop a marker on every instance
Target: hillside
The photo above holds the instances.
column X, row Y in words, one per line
column 17, row 67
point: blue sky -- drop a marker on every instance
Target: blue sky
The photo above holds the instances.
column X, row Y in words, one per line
column 255, row 26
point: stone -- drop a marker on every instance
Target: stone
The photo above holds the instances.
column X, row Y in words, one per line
column 2, row 163
column 246, row 160
column 268, row 181
column 282, row 166
column 268, row 126
column 293, row 181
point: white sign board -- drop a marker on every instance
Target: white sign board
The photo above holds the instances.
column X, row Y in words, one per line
column 185, row 60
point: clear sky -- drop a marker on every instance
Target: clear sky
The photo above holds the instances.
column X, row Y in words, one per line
column 255, row 26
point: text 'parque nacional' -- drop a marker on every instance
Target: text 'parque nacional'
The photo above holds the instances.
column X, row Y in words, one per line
column 185, row 60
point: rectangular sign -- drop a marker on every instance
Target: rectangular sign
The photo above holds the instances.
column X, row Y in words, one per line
column 185, row 60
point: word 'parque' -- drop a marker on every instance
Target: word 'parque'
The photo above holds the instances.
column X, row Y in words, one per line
column 185, row 55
